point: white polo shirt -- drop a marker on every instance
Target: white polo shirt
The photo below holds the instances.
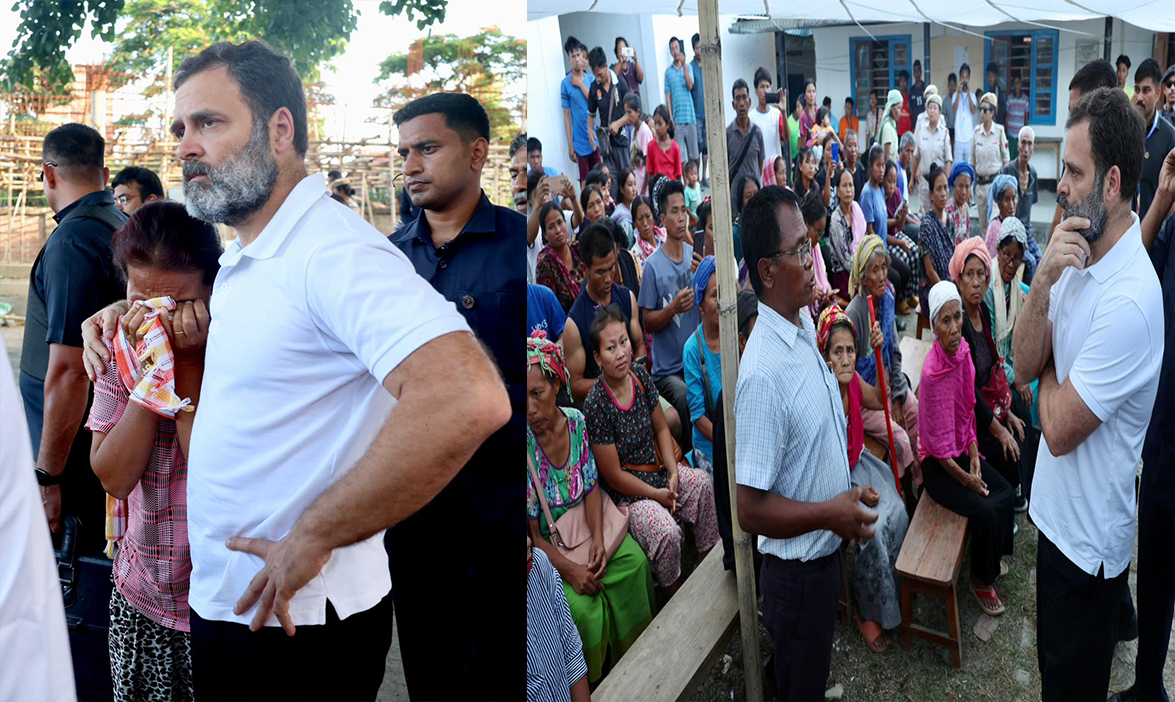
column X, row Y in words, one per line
column 307, row 321
column 1108, row 341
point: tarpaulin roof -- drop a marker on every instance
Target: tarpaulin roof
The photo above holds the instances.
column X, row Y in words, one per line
column 1155, row 15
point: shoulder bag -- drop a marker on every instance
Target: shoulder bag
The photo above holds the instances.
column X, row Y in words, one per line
column 660, row 465
column 571, row 535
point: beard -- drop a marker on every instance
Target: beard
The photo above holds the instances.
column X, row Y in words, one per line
column 1093, row 208
column 238, row 188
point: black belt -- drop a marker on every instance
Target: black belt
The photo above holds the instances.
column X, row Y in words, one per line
column 984, row 180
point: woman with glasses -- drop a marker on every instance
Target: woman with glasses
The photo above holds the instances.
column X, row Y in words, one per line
column 989, row 152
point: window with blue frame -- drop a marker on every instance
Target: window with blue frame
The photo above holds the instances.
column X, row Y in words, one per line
column 875, row 66
column 1030, row 56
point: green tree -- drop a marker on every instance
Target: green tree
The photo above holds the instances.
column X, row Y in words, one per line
column 481, row 65
column 310, row 32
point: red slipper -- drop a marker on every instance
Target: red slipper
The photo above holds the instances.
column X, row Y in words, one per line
column 989, row 601
column 871, row 631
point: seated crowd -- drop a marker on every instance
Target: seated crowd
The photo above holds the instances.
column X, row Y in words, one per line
column 624, row 361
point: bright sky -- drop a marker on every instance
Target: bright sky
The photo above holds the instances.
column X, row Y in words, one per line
column 376, row 37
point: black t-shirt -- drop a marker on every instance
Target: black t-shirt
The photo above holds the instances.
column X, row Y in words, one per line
column 599, row 97
column 1161, row 141
column 72, row 278
column 917, row 102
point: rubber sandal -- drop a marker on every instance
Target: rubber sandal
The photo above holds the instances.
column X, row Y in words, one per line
column 871, row 631
column 989, row 601
column 1003, row 569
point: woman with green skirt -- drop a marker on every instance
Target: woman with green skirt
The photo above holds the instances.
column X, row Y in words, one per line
column 611, row 599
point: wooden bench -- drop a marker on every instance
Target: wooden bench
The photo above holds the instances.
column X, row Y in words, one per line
column 929, row 565
column 675, row 653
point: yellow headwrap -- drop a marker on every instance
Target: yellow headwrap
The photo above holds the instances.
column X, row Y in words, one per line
column 869, row 245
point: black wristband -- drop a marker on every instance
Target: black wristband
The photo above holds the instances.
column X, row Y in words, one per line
column 45, row 480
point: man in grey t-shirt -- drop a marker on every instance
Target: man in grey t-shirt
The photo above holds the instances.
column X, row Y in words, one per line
column 740, row 134
column 667, row 304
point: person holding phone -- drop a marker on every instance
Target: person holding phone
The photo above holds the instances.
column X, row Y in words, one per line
column 964, row 105
column 627, row 65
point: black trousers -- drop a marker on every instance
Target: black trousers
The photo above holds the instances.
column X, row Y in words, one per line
column 1156, row 585
column 455, row 610
column 340, row 660
column 989, row 518
column 1076, row 626
column 672, row 387
column 898, row 274
column 799, row 610
column 1017, row 472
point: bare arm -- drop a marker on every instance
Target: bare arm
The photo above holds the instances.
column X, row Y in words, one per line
column 636, row 336
column 399, row 474
column 640, row 72
column 870, row 397
column 581, row 690
column 570, row 139
column 1065, row 420
column 656, row 320
column 66, row 391
column 777, row 517
column 689, row 78
column 576, row 361
column 1032, row 341
column 120, row 463
column 1161, row 204
column 620, row 480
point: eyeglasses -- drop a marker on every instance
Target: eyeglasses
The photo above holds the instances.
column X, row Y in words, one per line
column 803, row 252
column 47, row 163
column 985, row 108
column 124, row 199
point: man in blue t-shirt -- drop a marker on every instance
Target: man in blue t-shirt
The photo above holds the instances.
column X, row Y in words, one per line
column 699, row 104
column 573, row 94
column 666, row 301
column 534, row 158
column 543, row 312
column 679, row 81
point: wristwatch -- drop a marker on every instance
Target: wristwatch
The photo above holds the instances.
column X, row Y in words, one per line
column 45, row 480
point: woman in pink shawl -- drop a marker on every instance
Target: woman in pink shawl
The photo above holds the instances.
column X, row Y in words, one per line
column 958, row 478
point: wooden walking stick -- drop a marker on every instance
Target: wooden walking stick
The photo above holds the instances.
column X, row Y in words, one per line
column 885, row 401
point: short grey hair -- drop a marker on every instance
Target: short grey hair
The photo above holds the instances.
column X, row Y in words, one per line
column 906, row 140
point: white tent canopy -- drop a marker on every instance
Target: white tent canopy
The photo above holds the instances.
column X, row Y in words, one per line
column 1155, row 15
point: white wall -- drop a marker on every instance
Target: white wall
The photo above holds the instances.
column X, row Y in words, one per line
column 649, row 35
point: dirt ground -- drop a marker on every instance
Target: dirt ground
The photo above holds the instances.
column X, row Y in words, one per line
column 1003, row 668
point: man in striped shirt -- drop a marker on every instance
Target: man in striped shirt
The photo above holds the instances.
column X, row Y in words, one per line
column 791, row 450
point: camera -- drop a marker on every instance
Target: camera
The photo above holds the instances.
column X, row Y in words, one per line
column 628, row 52
column 772, row 98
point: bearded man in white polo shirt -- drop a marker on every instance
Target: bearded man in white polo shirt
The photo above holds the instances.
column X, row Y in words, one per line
column 1092, row 331
column 341, row 393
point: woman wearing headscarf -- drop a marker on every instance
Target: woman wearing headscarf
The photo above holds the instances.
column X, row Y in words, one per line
column 876, row 583
column 889, row 124
column 611, row 599
column 1002, row 418
column 953, row 472
column 868, row 278
column 989, row 152
column 958, row 211
column 702, row 359
column 932, row 145
column 1001, row 204
column 1004, row 301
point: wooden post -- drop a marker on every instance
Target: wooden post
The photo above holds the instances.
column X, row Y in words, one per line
column 711, row 48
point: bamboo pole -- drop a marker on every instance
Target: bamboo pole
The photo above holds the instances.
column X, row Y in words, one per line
column 711, row 49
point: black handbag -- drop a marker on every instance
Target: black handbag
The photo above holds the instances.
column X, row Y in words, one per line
column 606, row 141
column 86, row 587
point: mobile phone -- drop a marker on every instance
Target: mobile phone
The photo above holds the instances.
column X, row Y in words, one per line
column 628, row 52
column 772, row 98
column 835, row 152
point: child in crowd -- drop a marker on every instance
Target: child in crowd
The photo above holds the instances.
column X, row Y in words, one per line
column 693, row 192
column 663, row 155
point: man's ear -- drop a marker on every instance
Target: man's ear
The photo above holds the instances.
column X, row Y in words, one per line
column 105, row 176
column 1113, row 185
column 479, row 153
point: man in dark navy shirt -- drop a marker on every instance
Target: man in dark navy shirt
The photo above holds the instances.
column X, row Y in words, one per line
column 1156, row 494
column 73, row 277
column 447, row 558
